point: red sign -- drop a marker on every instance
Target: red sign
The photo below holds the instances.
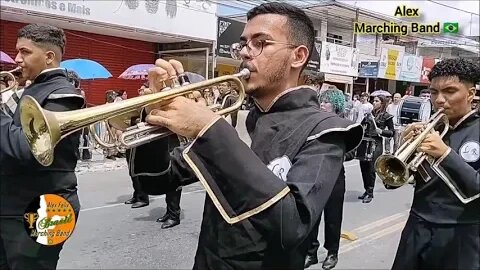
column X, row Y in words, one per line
column 427, row 66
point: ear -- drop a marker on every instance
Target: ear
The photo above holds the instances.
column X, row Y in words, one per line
column 471, row 94
column 300, row 56
column 49, row 57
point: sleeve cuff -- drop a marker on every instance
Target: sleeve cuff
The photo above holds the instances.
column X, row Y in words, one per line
column 448, row 168
column 440, row 159
column 209, row 125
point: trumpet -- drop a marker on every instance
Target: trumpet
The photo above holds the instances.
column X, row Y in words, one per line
column 44, row 129
column 11, row 74
column 396, row 170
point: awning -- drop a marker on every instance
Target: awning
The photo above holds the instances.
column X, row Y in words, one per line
column 338, row 78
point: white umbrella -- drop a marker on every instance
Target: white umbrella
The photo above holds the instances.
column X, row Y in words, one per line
column 380, row 93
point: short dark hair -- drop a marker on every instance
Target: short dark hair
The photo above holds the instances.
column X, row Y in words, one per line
column 300, row 26
column 44, row 35
column 317, row 79
column 73, row 78
column 467, row 71
column 425, row 91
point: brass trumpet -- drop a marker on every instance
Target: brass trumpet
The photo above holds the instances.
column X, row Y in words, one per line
column 44, row 129
column 396, row 170
column 10, row 74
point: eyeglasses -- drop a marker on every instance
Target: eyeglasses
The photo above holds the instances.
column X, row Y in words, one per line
column 254, row 47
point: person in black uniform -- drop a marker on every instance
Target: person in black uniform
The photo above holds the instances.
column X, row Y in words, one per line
column 139, row 197
column 383, row 127
column 85, row 154
column 262, row 201
column 40, row 49
column 331, row 100
column 443, row 229
column 141, row 165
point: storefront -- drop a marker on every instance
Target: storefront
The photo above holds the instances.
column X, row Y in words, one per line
column 229, row 32
column 340, row 65
column 104, row 31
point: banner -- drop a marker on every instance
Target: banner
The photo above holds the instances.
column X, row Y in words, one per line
column 411, row 68
column 338, row 59
column 427, row 65
column 194, row 19
column 390, row 64
column 368, row 69
column 229, row 32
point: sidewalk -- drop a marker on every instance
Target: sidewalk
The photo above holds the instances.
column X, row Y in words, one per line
column 99, row 163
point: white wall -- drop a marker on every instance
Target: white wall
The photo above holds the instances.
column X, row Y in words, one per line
column 184, row 18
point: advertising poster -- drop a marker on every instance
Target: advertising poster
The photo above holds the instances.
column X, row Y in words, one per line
column 390, row 64
column 411, row 68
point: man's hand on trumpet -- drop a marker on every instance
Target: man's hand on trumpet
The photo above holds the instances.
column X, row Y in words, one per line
column 411, row 131
column 183, row 116
column 432, row 145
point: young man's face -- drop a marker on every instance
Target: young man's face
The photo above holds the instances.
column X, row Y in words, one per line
column 32, row 58
column 452, row 95
column 272, row 64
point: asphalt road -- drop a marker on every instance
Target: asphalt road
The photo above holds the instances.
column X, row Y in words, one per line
column 111, row 235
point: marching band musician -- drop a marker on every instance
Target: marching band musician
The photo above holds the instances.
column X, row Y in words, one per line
column 331, row 100
column 375, row 129
column 40, row 49
column 262, row 202
column 443, row 229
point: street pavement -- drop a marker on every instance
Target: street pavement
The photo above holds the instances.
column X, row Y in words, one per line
column 111, row 235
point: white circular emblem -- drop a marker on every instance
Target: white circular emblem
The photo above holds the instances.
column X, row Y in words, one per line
column 470, row 151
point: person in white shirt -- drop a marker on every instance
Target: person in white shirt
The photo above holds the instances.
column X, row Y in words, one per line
column 364, row 108
column 392, row 109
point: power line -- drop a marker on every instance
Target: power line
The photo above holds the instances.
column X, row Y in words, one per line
column 441, row 4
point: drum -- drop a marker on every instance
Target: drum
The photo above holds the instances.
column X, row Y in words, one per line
column 366, row 149
column 413, row 109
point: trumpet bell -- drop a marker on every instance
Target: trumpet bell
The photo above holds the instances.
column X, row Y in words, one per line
column 392, row 170
column 38, row 129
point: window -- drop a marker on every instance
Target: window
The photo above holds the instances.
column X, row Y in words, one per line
column 337, row 39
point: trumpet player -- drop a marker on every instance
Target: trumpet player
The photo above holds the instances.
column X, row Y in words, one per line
column 443, row 229
column 262, row 201
column 40, row 49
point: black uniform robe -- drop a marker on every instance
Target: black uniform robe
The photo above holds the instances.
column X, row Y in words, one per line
column 22, row 178
column 443, row 230
column 263, row 202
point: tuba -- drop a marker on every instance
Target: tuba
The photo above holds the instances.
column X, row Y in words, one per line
column 44, row 129
column 396, row 170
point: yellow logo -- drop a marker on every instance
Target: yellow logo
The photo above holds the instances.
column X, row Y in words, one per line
column 49, row 219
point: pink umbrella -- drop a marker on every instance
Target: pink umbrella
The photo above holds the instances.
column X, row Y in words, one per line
column 136, row 72
column 5, row 59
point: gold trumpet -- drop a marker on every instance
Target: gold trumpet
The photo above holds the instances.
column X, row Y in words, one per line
column 396, row 170
column 44, row 129
column 10, row 74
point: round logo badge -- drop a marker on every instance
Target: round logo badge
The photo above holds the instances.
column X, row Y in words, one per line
column 49, row 219
column 470, row 151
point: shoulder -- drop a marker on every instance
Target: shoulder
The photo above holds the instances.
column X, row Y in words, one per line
column 65, row 91
column 333, row 125
column 387, row 116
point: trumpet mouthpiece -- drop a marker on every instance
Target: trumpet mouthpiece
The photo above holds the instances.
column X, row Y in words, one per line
column 244, row 73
